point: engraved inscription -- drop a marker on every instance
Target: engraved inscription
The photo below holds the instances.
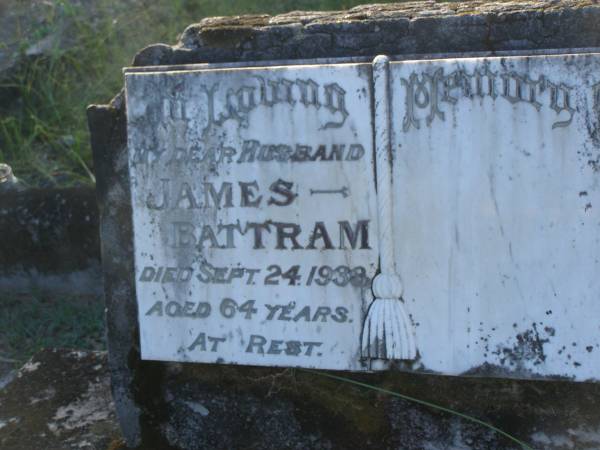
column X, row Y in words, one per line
column 253, row 197
column 429, row 91
column 258, row 91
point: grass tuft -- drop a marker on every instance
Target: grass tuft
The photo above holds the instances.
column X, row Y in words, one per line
column 43, row 129
column 32, row 322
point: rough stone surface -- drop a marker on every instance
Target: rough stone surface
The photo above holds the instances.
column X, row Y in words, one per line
column 393, row 29
column 296, row 409
column 59, row 400
column 49, row 240
column 273, row 408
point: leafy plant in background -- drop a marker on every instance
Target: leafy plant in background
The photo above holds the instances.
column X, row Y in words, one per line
column 77, row 50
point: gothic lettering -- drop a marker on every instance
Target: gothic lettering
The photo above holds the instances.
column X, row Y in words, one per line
column 425, row 92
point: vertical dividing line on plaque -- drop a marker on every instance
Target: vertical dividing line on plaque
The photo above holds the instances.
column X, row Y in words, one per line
column 387, row 330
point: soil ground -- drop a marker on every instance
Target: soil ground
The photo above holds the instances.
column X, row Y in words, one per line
column 59, row 400
column 49, row 398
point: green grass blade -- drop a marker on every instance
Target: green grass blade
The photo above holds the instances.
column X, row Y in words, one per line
column 424, row 403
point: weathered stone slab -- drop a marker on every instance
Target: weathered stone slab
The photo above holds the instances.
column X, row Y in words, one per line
column 60, row 400
column 496, row 209
column 50, row 241
column 254, row 213
column 144, row 390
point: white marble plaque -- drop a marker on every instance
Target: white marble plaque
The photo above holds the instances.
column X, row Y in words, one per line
column 497, row 212
column 440, row 213
column 254, row 213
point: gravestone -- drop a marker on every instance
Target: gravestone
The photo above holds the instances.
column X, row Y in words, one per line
column 258, row 226
column 393, row 214
column 262, row 217
column 498, row 237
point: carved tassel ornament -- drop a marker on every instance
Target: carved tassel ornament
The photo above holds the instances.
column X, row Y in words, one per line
column 387, row 330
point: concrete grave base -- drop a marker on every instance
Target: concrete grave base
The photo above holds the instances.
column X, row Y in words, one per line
column 60, row 400
column 230, row 407
column 50, row 241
